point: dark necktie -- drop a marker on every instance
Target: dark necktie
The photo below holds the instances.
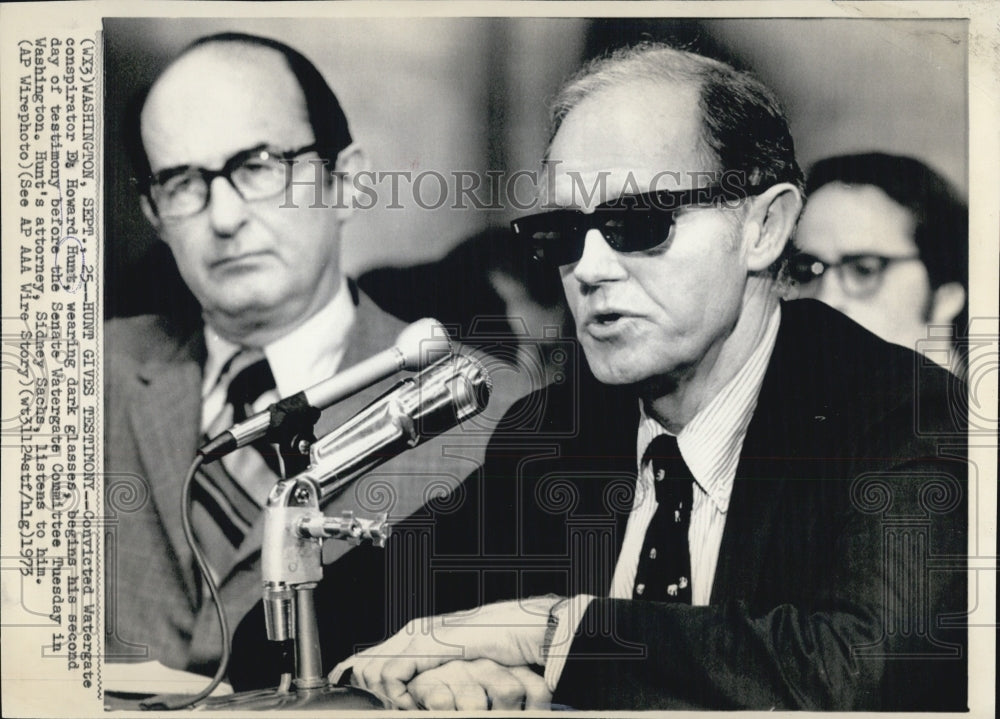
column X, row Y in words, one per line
column 227, row 493
column 245, row 389
column 664, row 572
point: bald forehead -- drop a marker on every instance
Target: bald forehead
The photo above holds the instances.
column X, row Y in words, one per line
column 642, row 131
column 226, row 94
column 645, row 116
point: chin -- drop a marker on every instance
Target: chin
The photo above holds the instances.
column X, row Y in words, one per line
column 615, row 371
column 253, row 296
column 649, row 378
column 605, row 377
column 251, row 310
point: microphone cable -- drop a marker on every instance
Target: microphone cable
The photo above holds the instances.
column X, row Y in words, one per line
column 171, row 702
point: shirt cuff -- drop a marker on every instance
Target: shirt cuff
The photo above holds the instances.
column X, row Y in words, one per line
column 569, row 616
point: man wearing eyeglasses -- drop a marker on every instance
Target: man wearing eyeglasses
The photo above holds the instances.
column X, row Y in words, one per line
column 733, row 519
column 245, row 163
column 884, row 240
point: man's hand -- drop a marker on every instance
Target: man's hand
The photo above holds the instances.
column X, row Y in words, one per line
column 508, row 633
column 479, row 685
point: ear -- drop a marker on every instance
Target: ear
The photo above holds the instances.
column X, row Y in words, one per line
column 946, row 303
column 351, row 161
column 149, row 212
column 769, row 223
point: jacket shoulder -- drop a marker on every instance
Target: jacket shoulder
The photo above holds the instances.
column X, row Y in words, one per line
column 134, row 341
column 827, row 359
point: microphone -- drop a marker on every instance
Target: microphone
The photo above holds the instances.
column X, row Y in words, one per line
column 418, row 345
column 418, row 408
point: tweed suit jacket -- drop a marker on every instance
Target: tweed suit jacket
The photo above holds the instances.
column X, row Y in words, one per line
column 841, row 576
column 153, row 383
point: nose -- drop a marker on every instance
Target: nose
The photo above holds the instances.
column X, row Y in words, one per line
column 599, row 263
column 227, row 210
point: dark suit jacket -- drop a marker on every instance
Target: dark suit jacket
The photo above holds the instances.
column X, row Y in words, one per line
column 840, row 582
column 153, row 385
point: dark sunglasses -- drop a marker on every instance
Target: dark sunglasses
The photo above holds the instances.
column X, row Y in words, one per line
column 630, row 223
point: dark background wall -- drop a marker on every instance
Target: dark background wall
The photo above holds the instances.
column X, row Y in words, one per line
column 470, row 94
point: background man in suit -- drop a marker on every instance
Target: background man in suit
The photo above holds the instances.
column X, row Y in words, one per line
column 884, row 239
column 247, row 161
column 780, row 459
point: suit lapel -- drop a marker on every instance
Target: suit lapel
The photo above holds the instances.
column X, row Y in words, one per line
column 782, row 433
column 625, row 450
column 167, row 413
column 759, row 481
column 753, row 509
column 607, row 445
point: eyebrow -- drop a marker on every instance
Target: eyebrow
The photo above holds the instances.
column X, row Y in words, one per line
column 178, row 169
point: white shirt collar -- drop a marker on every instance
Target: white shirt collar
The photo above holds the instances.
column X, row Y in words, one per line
column 308, row 354
column 712, row 441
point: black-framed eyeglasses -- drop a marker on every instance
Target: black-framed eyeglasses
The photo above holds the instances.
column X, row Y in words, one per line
column 629, row 223
column 256, row 174
column 860, row 275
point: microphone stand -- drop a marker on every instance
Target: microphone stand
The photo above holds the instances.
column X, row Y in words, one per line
column 294, row 530
column 295, row 526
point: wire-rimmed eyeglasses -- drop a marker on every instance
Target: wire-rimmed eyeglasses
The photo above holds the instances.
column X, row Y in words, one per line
column 860, row 275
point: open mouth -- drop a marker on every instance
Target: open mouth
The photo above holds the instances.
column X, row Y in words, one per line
column 607, row 318
column 606, row 325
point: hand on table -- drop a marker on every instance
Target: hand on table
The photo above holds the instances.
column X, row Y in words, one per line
column 510, row 634
column 479, row 685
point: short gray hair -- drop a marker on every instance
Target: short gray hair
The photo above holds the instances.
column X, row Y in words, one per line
column 744, row 126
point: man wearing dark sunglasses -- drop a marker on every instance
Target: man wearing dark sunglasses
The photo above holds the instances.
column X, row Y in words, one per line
column 244, row 163
column 718, row 527
column 884, row 240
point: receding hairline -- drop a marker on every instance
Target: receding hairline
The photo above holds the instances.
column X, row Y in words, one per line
column 226, row 50
column 646, row 62
column 662, row 84
column 229, row 53
column 743, row 124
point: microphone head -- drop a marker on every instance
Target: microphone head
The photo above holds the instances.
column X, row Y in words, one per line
column 472, row 386
column 423, row 343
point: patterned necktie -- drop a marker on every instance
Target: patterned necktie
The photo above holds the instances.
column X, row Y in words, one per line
column 228, row 494
column 664, row 572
